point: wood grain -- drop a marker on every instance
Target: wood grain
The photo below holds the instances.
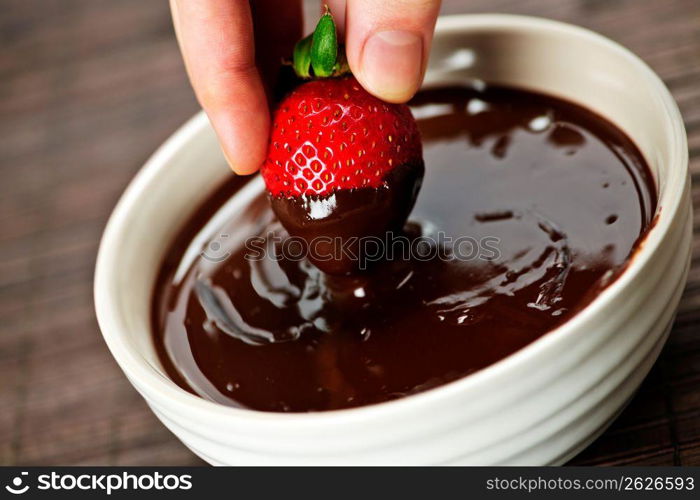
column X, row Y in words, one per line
column 88, row 89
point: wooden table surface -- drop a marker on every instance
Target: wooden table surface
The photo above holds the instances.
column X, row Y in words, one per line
column 88, row 89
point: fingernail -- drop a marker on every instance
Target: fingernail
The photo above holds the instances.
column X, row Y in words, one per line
column 392, row 64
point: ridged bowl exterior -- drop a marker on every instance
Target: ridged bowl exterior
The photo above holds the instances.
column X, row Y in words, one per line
column 541, row 405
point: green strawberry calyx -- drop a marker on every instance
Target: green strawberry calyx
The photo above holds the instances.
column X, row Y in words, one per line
column 319, row 55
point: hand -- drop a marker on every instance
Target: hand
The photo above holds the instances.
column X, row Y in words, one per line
column 387, row 45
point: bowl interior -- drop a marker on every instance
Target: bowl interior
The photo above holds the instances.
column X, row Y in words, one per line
column 540, row 55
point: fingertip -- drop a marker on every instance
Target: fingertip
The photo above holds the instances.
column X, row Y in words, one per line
column 243, row 141
column 236, row 167
column 243, row 168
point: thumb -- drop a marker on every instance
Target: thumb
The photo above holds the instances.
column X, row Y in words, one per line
column 388, row 44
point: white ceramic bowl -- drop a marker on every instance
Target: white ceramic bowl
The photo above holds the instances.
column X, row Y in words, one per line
column 541, row 405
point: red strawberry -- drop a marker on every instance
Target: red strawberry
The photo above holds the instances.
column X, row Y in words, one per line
column 332, row 134
column 342, row 165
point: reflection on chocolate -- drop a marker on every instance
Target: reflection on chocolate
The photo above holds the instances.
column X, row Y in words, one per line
column 529, row 207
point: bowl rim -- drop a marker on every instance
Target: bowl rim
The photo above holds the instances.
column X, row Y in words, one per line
column 142, row 374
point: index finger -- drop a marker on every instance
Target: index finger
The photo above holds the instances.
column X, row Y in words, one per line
column 216, row 40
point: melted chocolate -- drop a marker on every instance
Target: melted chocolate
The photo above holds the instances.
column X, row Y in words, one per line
column 529, row 207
